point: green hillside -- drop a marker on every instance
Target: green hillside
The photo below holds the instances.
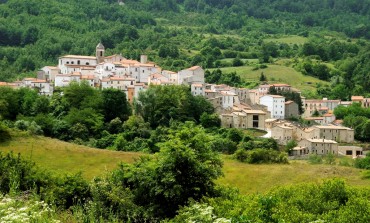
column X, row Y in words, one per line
column 277, row 74
column 180, row 34
column 63, row 157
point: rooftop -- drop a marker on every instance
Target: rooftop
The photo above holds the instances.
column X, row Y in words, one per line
column 79, row 57
column 332, row 127
column 322, row 141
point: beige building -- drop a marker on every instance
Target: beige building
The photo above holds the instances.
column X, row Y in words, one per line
column 336, row 133
column 244, row 119
column 323, row 106
column 283, row 133
column 365, row 102
column 320, row 146
column 353, row 151
column 291, row 109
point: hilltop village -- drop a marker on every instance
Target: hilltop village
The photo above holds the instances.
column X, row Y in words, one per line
column 240, row 108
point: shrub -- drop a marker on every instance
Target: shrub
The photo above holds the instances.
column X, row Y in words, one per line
column 329, row 159
column 257, row 156
column 241, row 155
column 315, row 159
column 223, row 145
column 17, row 174
column 4, row 132
column 363, row 163
column 22, row 125
column 35, row 129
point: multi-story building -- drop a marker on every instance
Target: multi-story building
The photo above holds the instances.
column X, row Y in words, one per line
column 198, row 89
column 336, row 133
column 244, row 119
column 275, row 104
column 291, row 109
column 320, row 146
column 191, row 75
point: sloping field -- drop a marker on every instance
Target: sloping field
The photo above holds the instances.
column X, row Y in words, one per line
column 63, row 157
column 261, row 178
column 299, row 40
column 276, row 74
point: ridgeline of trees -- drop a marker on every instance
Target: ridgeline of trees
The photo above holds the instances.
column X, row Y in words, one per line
column 173, row 33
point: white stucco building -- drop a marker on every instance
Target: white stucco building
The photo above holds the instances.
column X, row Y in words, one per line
column 191, row 75
column 275, row 105
column 198, row 89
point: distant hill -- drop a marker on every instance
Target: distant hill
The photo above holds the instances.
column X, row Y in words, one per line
column 181, row 33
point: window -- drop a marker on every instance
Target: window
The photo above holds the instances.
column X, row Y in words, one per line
column 78, row 62
column 72, row 62
column 67, row 62
column 101, row 53
column 87, row 63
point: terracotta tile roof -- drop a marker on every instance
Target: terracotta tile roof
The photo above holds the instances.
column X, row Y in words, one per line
column 357, row 98
column 281, row 85
column 79, row 57
column 254, row 112
column 321, row 141
column 274, row 96
column 39, row 81
column 88, row 77
column 30, row 79
column 197, row 85
column 193, row 68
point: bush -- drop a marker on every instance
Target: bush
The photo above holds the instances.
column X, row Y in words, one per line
column 67, row 191
column 4, row 132
column 35, row 129
column 363, row 163
column 241, row 155
column 329, row 159
column 223, row 145
column 258, row 156
column 22, row 125
column 315, row 159
column 17, row 175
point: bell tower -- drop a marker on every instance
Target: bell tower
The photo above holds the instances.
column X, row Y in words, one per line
column 100, row 51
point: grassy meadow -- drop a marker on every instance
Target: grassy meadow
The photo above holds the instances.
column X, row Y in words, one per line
column 292, row 39
column 261, row 178
column 276, row 73
column 63, row 157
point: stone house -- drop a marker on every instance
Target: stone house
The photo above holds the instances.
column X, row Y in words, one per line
column 320, row 146
column 244, row 119
column 336, row 133
column 291, row 109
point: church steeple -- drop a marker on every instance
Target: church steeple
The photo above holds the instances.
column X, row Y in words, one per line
column 100, row 51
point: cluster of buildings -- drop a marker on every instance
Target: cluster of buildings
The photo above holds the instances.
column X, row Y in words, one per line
column 238, row 107
column 243, row 108
column 100, row 71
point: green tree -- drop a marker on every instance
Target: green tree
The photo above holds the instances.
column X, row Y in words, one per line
column 115, row 105
column 210, row 120
column 185, row 168
column 290, row 145
column 82, row 95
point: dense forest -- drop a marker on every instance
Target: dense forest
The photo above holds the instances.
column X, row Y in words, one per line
column 178, row 34
column 184, row 147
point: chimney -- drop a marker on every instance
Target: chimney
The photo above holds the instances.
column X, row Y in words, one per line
column 143, row 59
